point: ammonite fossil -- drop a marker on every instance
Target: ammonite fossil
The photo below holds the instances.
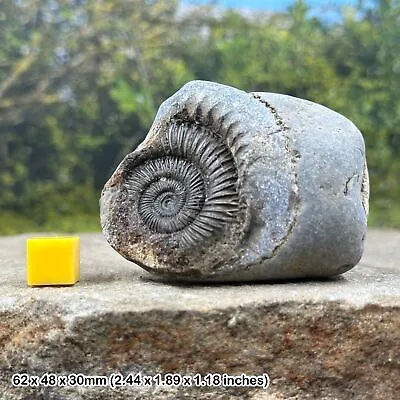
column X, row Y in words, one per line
column 231, row 186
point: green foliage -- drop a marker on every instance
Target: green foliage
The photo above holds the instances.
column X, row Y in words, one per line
column 80, row 83
column 12, row 223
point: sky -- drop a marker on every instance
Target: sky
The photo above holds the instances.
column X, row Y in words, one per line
column 273, row 5
column 326, row 10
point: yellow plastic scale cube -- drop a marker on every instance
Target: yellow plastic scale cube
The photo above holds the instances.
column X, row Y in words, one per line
column 53, row 261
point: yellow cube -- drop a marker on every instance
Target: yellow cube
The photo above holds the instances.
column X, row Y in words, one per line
column 53, row 261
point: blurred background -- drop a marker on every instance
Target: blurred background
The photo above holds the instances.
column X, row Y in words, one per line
column 81, row 81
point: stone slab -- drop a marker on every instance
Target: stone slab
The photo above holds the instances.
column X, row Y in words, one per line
column 321, row 339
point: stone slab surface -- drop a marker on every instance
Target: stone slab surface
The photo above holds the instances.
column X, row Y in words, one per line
column 324, row 339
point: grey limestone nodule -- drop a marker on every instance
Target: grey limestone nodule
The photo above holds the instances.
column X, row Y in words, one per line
column 237, row 186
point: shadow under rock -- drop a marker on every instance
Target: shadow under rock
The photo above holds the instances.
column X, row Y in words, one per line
column 200, row 284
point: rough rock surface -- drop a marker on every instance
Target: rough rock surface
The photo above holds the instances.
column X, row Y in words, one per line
column 322, row 339
column 230, row 185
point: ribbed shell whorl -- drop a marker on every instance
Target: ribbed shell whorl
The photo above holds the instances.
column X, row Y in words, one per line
column 186, row 190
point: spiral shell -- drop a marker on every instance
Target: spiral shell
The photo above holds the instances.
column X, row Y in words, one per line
column 189, row 191
column 231, row 185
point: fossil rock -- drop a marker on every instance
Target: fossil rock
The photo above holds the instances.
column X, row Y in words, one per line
column 230, row 185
